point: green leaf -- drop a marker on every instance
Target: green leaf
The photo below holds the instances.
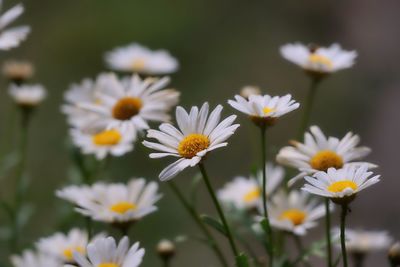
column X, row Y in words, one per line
column 213, row 223
column 242, row 261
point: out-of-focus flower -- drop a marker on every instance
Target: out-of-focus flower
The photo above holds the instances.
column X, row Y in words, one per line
column 14, row 36
column 340, row 185
column 318, row 60
column 114, row 203
column 130, row 103
column 295, row 212
column 30, row 258
column 28, row 96
column 104, row 252
column 198, row 134
column 62, row 246
column 18, row 71
column 78, row 94
column 364, row 242
column 166, row 249
column 319, row 153
column 103, row 143
column 249, row 90
column 264, row 109
column 135, row 58
column 245, row 193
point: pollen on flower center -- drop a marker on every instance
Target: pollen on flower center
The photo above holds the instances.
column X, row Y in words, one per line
column 252, row 195
column 340, row 186
column 192, row 144
column 296, row 216
column 325, row 159
column 268, row 110
column 316, row 59
column 107, row 264
column 126, row 108
column 68, row 252
column 107, row 138
column 123, row 207
column 138, row 64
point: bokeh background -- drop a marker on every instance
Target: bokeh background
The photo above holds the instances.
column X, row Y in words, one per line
column 221, row 45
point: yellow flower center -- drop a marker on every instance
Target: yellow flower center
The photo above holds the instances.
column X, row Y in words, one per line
column 69, row 252
column 126, row 108
column 326, row 159
column 192, row 144
column 107, row 138
column 138, row 64
column 268, row 110
column 316, row 59
column 296, row 216
column 252, row 195
column 107, row 264
column 339, row 186
column 123, row 207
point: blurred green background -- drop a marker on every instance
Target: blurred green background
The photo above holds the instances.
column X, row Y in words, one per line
column 221, row 45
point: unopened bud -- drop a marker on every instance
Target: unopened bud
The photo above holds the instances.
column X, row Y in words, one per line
column 166, row 249
column 18, row 71
column 394, row 254
column 249, row 90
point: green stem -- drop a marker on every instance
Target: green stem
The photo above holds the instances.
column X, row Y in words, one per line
column 19, row 186
column 328, row 233
column 299, row 246
column 342, row 234
column 308, row 105
column 219, row 210
column 192, row 212
column 166, row 263
column 264, row 195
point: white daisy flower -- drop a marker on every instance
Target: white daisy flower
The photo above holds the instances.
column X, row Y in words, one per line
column 114, row 203
column 103, row 143
column 363, row 241
column 30, row 258
column 62, row 246
column 295, row 212
column 340, row 185
column 104, row 252
column 246, row 193
column 264, row 109
column 77, row 94
column 27, row 95
column 198, row 134
column 139, row 59
column 319, row 153
column 319, row 60
column 130, row 103
column 12, row 37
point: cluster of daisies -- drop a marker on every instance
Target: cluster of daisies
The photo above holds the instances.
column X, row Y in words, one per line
column 112, row 113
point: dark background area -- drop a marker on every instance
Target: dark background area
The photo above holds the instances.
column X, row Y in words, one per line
column 221, row 45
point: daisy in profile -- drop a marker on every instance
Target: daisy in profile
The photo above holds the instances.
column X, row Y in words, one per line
column 318, row 60
column 198, row 134
column 10, row 38
column 115, row 203
column 295, row 213
column 319, row 153
column 30, row 258
column 135, row 58
column 28, row 96
column 104, row 252
column 129, row 104
column 103, row 143
column 364, row 242
column 245, row 193
column 340, row 185
column 264, row 110
column 62, row 246
column 18, row 71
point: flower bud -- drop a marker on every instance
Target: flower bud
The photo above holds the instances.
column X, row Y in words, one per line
column 250, row 90
column 18, row 71
column 166, row 249
column 394, row 254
